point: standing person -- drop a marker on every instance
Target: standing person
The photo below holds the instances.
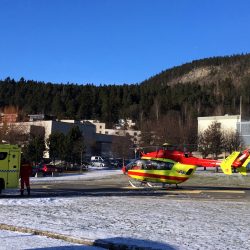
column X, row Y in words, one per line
column 25, row 173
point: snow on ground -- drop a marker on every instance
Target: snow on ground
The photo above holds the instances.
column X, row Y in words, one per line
column 92, row 174
column 15, row 240
column 149, row 221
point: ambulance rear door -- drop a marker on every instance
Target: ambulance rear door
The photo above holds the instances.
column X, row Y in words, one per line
column 4, row 165
column 14, row 168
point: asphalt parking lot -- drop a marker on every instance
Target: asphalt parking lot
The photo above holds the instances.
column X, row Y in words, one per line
column 203, row 185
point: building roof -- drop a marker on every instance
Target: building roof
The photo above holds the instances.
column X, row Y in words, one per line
column 219, row 117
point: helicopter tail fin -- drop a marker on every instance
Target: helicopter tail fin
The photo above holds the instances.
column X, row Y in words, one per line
column 226, row 165
column 243, row 169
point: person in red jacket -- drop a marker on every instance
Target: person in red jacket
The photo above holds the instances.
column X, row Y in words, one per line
column 25, row 173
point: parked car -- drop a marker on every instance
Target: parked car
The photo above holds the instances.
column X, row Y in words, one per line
column 97, row 163
column 96, row 158
column 46, row 169
column 49, row 169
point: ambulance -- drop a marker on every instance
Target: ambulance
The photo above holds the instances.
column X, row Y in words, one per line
column 10, row 159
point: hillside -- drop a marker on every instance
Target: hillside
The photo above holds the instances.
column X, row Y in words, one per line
column 169, row 101
column 207, row 71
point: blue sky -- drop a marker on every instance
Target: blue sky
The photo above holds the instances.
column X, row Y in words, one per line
column 115, row 41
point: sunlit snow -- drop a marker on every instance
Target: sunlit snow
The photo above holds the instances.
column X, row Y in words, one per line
column 150, row 221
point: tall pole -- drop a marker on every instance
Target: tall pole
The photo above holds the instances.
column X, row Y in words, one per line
column 81, row 162
column 240, row 120
column 240, row 112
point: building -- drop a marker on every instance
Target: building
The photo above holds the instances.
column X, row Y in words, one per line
column 227, row 122
column 231, row 123
column 100, row 126
column 244, row 129
column 40, row 117
column 93, row 142
column 99, row 142
column 125, row 124
column 123, row 128
column 134, row 134
column 97, row 139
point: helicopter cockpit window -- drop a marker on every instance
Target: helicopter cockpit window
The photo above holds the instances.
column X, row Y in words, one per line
column 139, row 164
column 130, row 165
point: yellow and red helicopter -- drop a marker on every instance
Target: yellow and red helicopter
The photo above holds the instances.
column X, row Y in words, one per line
column 171, row 166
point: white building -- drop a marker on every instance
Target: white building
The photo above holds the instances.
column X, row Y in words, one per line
column 227, row 122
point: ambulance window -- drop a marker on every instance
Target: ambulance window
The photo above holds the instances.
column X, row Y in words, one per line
column 3, row 155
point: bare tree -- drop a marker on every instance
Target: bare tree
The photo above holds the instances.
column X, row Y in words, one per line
column 14, row 133
column 232, row 141
column 203, row 145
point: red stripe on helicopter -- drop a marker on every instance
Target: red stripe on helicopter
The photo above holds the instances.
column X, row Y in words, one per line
column 158, row 176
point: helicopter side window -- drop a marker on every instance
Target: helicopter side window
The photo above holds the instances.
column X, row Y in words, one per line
column 165, row 165
column 149, row 165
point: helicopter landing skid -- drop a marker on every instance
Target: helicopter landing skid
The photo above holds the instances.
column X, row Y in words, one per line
column 140, row 184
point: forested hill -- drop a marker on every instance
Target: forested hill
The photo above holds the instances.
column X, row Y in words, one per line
column 206, row 71
column 205, row 87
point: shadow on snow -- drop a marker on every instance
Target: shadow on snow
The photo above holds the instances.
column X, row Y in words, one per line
column 119, row 243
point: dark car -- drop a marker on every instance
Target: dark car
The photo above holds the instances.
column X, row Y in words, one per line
column 46, row 169
column 49, row 169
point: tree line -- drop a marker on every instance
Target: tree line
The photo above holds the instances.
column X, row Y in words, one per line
column 169, row 110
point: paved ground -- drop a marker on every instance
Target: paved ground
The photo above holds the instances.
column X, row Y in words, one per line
column 203, row 185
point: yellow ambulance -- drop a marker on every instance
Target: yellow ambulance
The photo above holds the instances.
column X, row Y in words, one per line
column 10, row 158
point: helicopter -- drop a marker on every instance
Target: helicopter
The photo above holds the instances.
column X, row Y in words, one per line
column 170, row 166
